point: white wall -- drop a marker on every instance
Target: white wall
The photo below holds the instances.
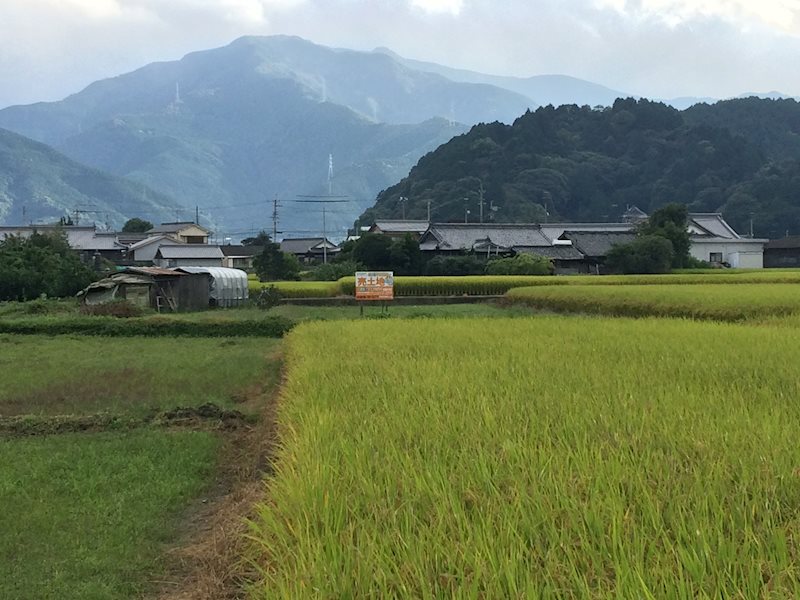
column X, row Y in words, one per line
column 739, row 254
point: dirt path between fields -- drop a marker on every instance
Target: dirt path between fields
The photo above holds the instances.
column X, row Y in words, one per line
column 209, row 559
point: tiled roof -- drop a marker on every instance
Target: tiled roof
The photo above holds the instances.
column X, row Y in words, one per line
column 597, row 243
column 783, row 243
column 305, row 245
column 398, row 226
column 713, row 224
column 558, row 252
column 240, row 250
column 466, row 236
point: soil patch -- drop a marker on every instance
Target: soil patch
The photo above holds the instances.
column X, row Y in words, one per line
column 204, row 416
column 209, row 561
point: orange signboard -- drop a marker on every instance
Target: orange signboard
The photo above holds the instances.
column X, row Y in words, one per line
column 374, row 285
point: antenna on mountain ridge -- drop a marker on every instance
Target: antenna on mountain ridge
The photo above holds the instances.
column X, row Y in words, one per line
column 330, row 174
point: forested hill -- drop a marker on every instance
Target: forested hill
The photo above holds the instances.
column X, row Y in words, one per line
column 738, row 157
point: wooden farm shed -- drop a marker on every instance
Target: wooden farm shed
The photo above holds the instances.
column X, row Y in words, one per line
column 154, row 287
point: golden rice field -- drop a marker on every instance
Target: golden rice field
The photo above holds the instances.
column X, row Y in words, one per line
column 706, row 301
column 550, row 457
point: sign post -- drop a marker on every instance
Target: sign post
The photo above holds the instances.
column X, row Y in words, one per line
column 374, row 285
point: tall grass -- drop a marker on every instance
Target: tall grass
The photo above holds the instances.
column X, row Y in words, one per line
column 723, row 302
column 535, row 458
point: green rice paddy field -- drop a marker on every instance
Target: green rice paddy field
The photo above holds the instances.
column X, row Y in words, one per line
column 551, row 457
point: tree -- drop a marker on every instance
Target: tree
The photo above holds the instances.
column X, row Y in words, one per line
column 645, row 254
column 522, row 264
column 671, row 222
column 274, row 265
column 262, row 239
column 136, row 225
column 373, row 251
column 405, row 257
column 40, row 264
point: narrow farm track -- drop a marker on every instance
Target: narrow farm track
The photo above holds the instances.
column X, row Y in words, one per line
column 209, row 560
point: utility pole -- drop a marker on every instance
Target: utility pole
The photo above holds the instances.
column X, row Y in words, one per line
column 275, row 231
column 429, row 211
column 480, row 200
column 466, row 215
column 403, row 200
column 196, row 215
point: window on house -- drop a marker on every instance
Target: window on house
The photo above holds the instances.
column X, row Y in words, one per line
column 715, row 257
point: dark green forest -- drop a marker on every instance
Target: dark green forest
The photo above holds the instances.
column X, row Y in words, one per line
column 738, row 157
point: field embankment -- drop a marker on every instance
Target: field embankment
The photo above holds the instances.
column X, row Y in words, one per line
column 544, row 457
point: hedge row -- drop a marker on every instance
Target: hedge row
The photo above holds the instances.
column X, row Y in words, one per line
column 152, row 327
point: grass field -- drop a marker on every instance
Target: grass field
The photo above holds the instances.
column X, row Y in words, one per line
column 81, row 375
column 543, row 457
column 723, row 302
column 88, row 516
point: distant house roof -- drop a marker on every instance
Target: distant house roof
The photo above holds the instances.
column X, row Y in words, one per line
column 399, row 226
column 168, row 251
column 633, row 214
column 711, row 224
column 596, row 244
column 240, row 250
column 164, row 239
column 306, row 245
column 78, row 237
column 128, row 239
column 469, row 236
column 555, row 230
column 175, row 227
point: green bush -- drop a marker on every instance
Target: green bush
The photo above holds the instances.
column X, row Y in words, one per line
column 455, row 265
column 335, row 270
column 121, row 309
column 522, row 264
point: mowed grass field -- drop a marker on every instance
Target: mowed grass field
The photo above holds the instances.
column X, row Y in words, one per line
column 88, row 516
column 92, row 514
column 83, row 374
column 722, row 302
column 551, row 457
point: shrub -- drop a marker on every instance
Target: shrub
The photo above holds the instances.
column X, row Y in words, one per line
column 522, row 264
column 121, row 309
column 455, row 265
column 335, row 270
column 645, row 254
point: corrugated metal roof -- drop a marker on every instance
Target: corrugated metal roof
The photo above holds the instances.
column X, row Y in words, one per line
column 783, row 243
column 152, row 271
column 239, row 250
column 189, row 251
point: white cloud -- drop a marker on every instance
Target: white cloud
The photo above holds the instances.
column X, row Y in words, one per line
column 452, row 7
column 780, row 15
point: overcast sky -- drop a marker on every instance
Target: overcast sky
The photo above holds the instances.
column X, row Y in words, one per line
column 654, row 48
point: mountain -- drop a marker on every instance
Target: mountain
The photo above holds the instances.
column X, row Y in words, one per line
column 539, row 89
column 38, row 184
column 230, row 128
column 738, row 157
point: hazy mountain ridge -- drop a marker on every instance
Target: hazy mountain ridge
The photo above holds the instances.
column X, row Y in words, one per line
column 45, row 185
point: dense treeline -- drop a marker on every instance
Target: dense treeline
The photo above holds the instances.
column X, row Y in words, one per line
column 739, row 157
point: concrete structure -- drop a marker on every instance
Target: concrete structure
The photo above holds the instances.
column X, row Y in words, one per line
column 188, row 255
column 714, row 241
column 183, row 231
